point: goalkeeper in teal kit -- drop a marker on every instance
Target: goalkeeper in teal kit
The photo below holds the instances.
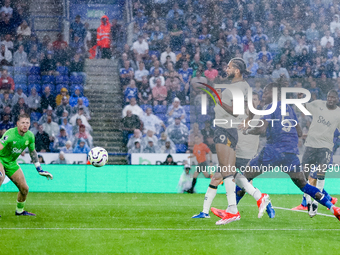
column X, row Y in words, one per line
column 12, row 144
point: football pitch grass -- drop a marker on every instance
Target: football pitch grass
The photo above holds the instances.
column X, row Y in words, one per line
column 111, row 223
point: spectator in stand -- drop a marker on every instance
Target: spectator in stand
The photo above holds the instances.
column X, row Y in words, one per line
column 141, row 47
column 335, row 24
column 130, row 123
column 131, row 91
column 141, row 20
column 157, row 75
column 150, row 135
column 61, row 160
column 60, row 140
column 185, row 74
column 47, row 99
column 252, row 67
column 207, row 131
column 266, row 53
column 175, row 91
column 195, row 131
column 141, row 72
column 284, row 38
column 42, row 140
column 7, row 9
column 64, row 106
column 145, row 92
column 176, row 37
column 233, row 35
column 19, row 94
column 210, row 73
column 175, row 111
column 34, row 127
column 49, row 112
column 196, row 63
column 137, row 148
column 195, row 83
column 258, row 90
column 152, row 122
column 57, row 44
column 81, row 147
column 327, row 38
column 150, row 147
column 135, row 109
column 315, row 90
column 68, row 127
column 19, row 108
column 126, row 73
column 20, row 57
column 156, row 38
column 6, row 123
column 156, row 65
column 77, row 66
column 67, row 148
column 24, row 30
column 63, row 55
column 80, row 104
column 169, row 53
column 81, row 115
column 136, row 137
column 177, row 132
column 116, row 30
column 171, row 13
column 7, row 111
column 5, row 56
column 77, row 94
column 63, row 93
column 77, row 27
column 250, row 53
column 5, row 101
column 83, row 134
column 163, row 140
column 34, row 56
column 312, row 33
column 88, row 37
column 8, row 42
column 159, row 93
column 48, row 65
column 6, row 82
column 6, row 26
column 51, row 128
column 279, row 71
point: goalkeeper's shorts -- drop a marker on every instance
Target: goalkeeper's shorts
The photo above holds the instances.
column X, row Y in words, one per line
column 10, row 167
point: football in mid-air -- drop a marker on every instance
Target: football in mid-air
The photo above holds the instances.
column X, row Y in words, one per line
column 98, row 156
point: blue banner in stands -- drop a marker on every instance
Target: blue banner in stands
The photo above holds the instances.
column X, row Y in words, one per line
column 92, row 10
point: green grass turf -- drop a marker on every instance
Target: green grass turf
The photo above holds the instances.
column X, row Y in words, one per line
column 158, row 224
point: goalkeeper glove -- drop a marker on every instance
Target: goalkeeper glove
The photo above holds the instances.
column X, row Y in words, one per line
column 44, row 173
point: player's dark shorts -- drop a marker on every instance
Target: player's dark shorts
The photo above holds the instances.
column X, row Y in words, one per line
column 316, row 159
column 241, row 163
column 227, row 136
column 268, row 159
column 202, row 167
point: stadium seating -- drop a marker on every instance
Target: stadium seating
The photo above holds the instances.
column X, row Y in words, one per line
column 162, row 117
column 22, row 86
column 52, row 88
column 187, row 109
column 34, row 79
column 34, row 70
column 161, row 109
column 72, row 88
column 48, row 79
column 21, row 70
column 35, row 116
column 79, row 79
column 60, row 86
column 20, row 79
column 36, row 86
column 62, row 70
column 62, row 79
column 181, row 148
column 145, row 106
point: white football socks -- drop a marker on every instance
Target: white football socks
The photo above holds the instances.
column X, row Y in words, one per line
column 243, row 183
column 230, row 187
column 209, row 197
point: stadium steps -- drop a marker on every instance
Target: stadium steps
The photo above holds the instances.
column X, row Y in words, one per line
column 43, row 13
column 103, row 90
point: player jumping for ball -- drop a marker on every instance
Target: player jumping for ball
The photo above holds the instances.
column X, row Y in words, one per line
column 12, row 144
column 225, row 138
column 281, row 150
column 319, row 146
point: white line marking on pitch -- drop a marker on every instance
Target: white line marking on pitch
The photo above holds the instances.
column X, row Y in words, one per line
column 287, row 209
column 172, row 229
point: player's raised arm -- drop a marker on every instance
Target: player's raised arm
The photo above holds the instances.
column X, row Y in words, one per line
column 35, row 161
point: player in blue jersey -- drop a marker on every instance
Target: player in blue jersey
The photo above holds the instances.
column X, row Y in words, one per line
column 280, row 151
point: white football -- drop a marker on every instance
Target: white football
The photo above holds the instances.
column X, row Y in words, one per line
column 98, row 156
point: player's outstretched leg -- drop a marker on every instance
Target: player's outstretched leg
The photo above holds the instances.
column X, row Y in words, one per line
column 19, row 180
column 300, row 181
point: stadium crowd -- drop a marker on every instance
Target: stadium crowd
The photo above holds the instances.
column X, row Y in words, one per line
column 178, row 44
column 44, row 79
